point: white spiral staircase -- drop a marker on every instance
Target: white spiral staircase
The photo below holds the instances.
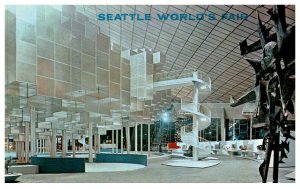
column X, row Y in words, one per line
column 201, row 114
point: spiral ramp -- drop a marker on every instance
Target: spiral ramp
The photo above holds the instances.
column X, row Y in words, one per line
column 201, row 114
column 201, row 120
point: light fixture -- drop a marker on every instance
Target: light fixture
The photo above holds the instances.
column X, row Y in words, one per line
column 203, row 119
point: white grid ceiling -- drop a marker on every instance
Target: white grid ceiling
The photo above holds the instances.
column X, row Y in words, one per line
column 210, row 46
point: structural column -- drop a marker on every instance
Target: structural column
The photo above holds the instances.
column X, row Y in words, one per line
column 195, row 120
column 98, row 141
column 95, row 143
column 223, row 132
column 251, row 122
column 148, row 139
column 113, row 141
column 64, row 137
column 90, row 142
column 44, row 145
column 32, row 131
column 122, row 139
column 38, row 146
column 7, row 143
column 141, row 138
column 26, row 142
column 135, row 138
column 128, row 139
column 117, row 141
column 73, row 147
column 53, row 143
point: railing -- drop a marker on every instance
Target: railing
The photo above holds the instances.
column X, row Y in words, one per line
column 201, row 108
column 178, row 74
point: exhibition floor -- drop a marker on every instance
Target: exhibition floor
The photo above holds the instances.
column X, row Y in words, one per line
column 230, row 170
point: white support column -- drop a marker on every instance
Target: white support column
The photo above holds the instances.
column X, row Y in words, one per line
column 53, row 143
column 128, row 140
column 44, row 145
column 113, row 141
column 41, row 147
column 90, row 142
column 251, row 122
column 22, row 157
column 195, row 120
column 7, row 143
column 135, row 138
column 148, row 139
column 95, row 143
column 49, row 144
column 26, row 142
column 223, row 132
column 38, row 146
column 117, row 141
column 32, row 131
column 63, row 141
column 122, row 136
column 98, row 141
column 73, row 147
column 141, row 138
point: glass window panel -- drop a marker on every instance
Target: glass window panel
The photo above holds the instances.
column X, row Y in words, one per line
column 45, row 32
column 103, row 43
column 88, row 64
column 62, row 72
column 26, row 52
column 115, row 59
column 45, row 67
column 88, row 81
column 76, row 43
column 62, row 36
column 26, row 72
column 76, row 59
column 61, row 89
column 114, row 90
column 88, row 46
column 62, row 54
column 114, row 74
column 76, row 76
column 102, row 77
column 45, row 86
column 45, row 48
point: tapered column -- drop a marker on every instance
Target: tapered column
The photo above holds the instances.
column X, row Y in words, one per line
column 64, row 140
column 98, row 141
column 251, row 122
column 148, row 139
column 44, row 145
column 32, row 131
column 95, row 143
column 117, row 141
column 73, row 147
column 90, row 142
column 7, row 143
column 141, row 138
column 195, row 120
column 122, row 139
column 18, row 149
column 26, row 142
column 49, row 145
column 113, row 141
column 128, row 140
column 53, row 143
column 135, row 138
column 41, row 142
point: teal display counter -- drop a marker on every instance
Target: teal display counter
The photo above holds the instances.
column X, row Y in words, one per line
column 121, row 158
column 59, row 165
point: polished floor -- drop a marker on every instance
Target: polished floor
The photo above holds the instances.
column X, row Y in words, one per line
column 230, row 170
